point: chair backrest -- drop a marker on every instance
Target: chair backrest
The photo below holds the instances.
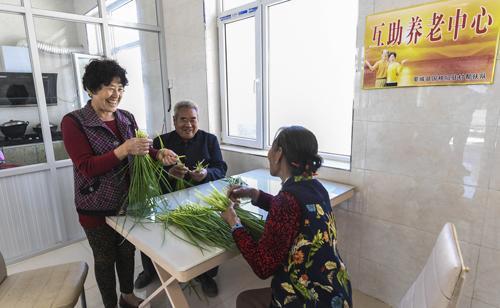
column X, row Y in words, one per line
column 3, row 269
column 440, row 282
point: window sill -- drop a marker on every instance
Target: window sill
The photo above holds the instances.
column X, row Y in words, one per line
column 327, row 163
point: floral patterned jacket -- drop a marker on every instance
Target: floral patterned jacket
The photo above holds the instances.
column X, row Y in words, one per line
column 314, row 274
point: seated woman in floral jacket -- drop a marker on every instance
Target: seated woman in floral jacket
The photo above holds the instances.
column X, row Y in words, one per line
column 299, row 244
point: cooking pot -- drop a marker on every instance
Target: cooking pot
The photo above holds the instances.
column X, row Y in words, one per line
column 38, row 129
column 14, row 128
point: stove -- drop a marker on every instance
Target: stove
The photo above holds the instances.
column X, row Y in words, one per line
column 27, row 139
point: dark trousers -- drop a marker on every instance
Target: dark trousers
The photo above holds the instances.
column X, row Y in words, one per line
column 111, row 250
column 257, row 298
column 149, row 268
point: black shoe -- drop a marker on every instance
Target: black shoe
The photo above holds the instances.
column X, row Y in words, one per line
column 123, row 303
column 143, row 280
column 208, row 285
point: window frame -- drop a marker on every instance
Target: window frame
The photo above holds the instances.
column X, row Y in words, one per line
column 262, row 76
column 237, row 15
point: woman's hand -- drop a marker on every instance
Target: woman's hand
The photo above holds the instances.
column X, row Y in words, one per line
column 167, row 157
column 229, row 215
column 133, row 146
column 236, row 192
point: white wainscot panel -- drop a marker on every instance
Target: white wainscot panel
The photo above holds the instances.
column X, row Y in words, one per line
column 29, row 222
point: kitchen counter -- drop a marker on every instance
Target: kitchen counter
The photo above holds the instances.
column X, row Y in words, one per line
column 7, row 166
column 31, row 152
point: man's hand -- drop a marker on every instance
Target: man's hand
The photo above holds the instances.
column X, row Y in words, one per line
column 178, row 171
column 167, row 157
column 198, row 176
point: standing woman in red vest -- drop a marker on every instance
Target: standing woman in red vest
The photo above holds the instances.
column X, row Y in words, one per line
column 99, row 139
column 299, row 245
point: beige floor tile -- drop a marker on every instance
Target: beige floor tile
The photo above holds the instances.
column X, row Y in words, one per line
column 365, row 301
column 93, row 298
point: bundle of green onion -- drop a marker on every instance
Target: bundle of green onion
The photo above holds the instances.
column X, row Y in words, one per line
column 235, row 180
column 201, row 226
column 200, row 166
column 219, row 202
column 144, row 184
column 181, row 183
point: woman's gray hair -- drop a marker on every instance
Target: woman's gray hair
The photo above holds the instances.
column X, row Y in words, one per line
column 185, row 104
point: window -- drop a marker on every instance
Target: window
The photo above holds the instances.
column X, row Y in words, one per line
column 139, row 53
column 288, row 63
column 20, row 143
column 49, row 62
column 59, row 40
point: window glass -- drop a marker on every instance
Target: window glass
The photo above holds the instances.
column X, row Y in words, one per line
column 136, row 11
column 20, row 144
column 311, row 70
column 241, row 75
column 139, row 53
column 82, row 7
column 64, row 48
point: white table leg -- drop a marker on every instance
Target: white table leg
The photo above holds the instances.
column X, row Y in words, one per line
column 170, row 285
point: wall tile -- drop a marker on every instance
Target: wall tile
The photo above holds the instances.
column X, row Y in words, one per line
column 426, row 205
column 495, row 165
column 352, row 264
column 361, row 100
column 491, row 234
column 434, row 105
column 365, row 8
column 464, row 302
column 382, row 282
column 355, row 177
column 403, row 249
column 386, row 5
column 349, row 226
column 449, row 153
column 358, row 144
column 478, row 304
